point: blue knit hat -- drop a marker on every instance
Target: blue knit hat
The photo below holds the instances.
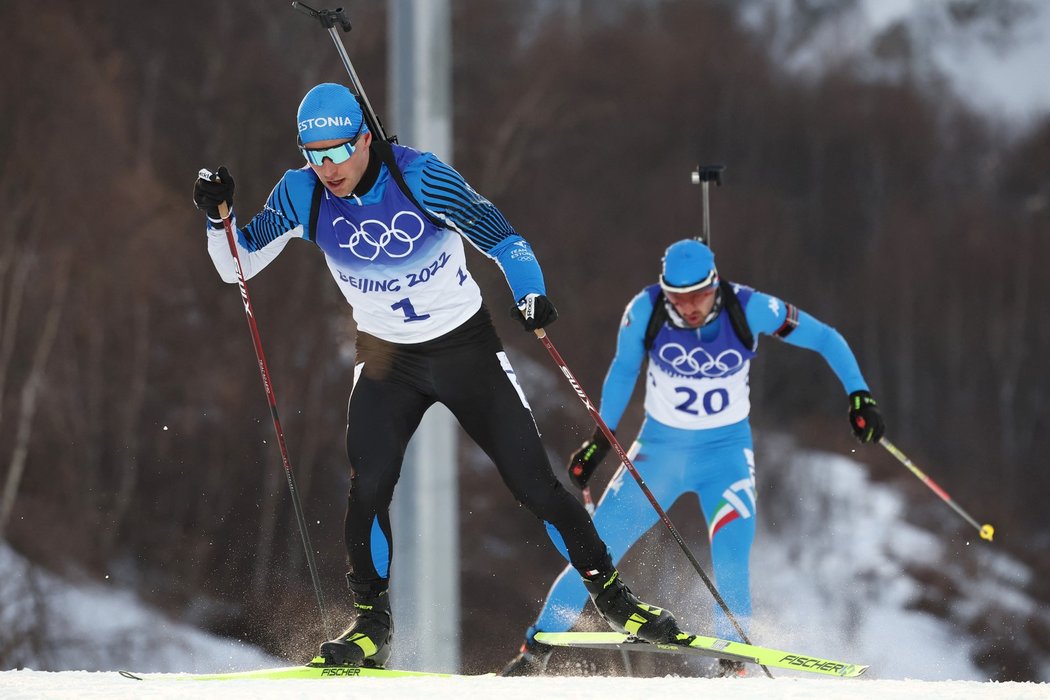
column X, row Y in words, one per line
column 689, row 266
column 329, row 111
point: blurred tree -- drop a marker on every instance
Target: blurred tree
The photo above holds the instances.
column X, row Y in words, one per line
column 883, row 207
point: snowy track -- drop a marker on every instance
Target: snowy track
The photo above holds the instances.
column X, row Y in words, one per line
column 23, row 685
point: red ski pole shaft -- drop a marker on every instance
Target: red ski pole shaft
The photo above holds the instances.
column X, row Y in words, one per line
column 271, row 398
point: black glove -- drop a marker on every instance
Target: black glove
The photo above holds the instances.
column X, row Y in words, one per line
column 534, row 311
column 209, row 194
column 585, row 460
column 864, row 417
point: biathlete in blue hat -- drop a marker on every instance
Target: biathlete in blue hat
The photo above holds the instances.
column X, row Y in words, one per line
column 390, row 222
column 698, row 334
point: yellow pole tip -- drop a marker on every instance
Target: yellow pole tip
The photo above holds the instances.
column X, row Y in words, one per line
column 987, row 532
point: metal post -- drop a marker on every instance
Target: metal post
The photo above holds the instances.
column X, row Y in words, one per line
column 703, row 176
column 425, row 515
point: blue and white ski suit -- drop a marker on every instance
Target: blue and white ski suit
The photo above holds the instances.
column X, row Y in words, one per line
column 424, row 336
column 696, row 438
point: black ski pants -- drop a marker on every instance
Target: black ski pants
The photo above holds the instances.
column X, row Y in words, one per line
column 466, row 371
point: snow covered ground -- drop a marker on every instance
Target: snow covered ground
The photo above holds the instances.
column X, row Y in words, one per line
column 23, row 685
column 850, row 590
column 849, row 602
column 91, row 626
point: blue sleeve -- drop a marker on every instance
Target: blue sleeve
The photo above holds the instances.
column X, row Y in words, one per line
column 630, row 354
column 446, row 195
column 766, row 314
column 287, row 207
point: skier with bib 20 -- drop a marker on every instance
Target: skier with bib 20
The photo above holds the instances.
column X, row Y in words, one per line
column 698, row 334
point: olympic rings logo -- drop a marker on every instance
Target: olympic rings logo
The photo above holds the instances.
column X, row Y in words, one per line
column 373, row 237
column 698, row 361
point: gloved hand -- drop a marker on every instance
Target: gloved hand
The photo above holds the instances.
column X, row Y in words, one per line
column 534, row 311
column 209, row 194
column 864, row 417
column 585, row 460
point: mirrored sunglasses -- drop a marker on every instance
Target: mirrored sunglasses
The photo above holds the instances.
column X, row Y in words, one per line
column 337, row 154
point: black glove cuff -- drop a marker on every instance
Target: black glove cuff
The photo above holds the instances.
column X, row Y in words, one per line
column 599, row 439
column 860, row 399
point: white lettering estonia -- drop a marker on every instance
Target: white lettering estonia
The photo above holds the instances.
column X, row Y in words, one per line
column 321, row 122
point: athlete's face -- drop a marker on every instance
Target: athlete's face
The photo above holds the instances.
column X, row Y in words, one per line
column 342, row 178
column 693, row 307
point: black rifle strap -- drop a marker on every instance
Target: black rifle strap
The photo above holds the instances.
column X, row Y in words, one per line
column 385, row 152
column 656, row 320
column 315, row 208
column 737, row 317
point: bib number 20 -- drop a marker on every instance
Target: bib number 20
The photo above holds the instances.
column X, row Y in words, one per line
column 714, row 401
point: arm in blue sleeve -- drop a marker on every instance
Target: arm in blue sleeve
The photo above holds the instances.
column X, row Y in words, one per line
column 446, row 195
column 765, row 314
column 287, row 207
column 630, row 353
column 285, row 216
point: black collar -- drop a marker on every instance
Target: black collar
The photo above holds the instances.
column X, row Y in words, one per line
column 368, row 178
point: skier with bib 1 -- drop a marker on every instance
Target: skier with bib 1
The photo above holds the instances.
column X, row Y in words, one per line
column 698, row 334
column 390, row 222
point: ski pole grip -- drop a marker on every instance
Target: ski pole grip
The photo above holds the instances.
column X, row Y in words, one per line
column 540, row 333
column 224, row 208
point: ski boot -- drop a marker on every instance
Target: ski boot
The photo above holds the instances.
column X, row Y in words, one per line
column 625, row 613
column 730, row 669
column 368, row 640
column 531, row 659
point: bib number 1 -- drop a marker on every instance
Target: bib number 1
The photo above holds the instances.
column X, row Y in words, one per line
column 405, row 306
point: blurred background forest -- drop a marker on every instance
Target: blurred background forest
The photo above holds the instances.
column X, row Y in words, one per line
column 135, row 440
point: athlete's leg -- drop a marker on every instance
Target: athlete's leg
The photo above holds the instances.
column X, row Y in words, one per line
column 381, row 417
column 622, row 516
column 727, row 496
column 481, row 390
column 484, row 395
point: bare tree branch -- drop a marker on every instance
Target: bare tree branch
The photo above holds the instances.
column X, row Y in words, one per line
column 30, row 392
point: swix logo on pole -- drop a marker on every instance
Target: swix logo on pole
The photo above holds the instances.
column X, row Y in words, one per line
column 577, row 388
column 244, row 288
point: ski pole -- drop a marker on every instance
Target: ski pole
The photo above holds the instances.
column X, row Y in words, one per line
column 986, row 531
column 703, row 176
column 329, row 19
column 588, row 499
column 271, row 398
column 622, row 454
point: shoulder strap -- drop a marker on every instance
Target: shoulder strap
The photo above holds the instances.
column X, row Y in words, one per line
column 315, row 208
column 737, row 317
column 386, row 153
column 656, row 321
